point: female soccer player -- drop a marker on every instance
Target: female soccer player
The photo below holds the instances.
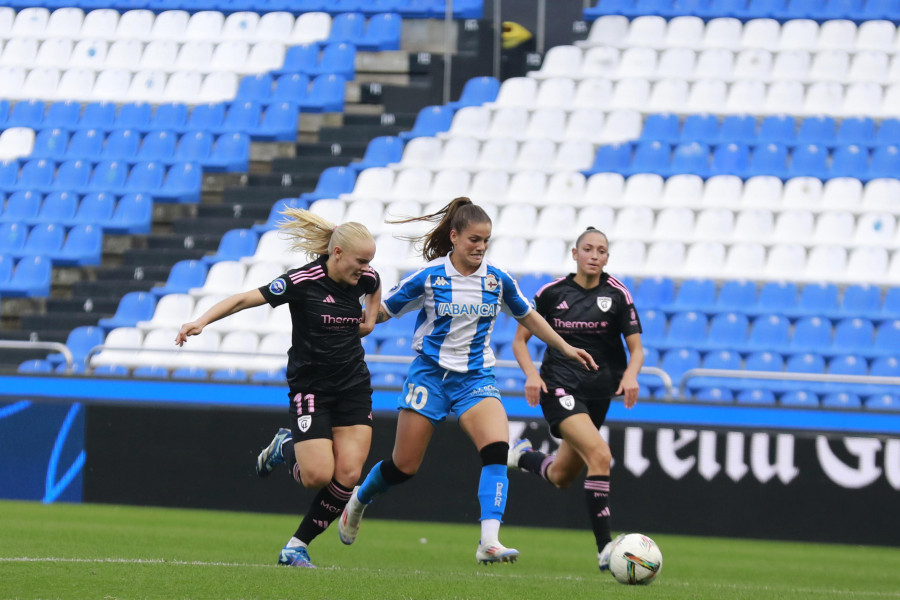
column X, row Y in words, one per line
column 459, row 295
column 592, row 309
column 330, row 388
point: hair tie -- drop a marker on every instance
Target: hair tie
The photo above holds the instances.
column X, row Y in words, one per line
column 333, row 229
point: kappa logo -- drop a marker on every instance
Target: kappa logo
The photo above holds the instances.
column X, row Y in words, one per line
column 604, row 303
column 563, row 306
column 440, row 281
column 328, row 299
column 304, row 422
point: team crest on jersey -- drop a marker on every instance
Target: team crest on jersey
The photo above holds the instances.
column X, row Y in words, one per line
column 567, row 402
column 490, row 282
column 304, row 422
column 604, row 303
column 278, row 286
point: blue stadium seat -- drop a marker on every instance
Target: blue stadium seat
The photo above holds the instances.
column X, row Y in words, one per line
column 333, row 182
column 27, row 113
column 724, row 360
column 649, row 383
column 35, row 366
column 6, row 264
column 98, row 115
column 778, row 129
column 133, row 307
column 769, row 332
column 255, row 88
column 325, row 94
column 50, row 144
column 695, row 294
column 9, row 172
column 339, row 59
column 728, row 330
column 820, row 130
column 137, row 116
column 290, row 87
column 738, row 129
column 150, row 372
column 430, row 121
column 650, row 157
column 885, row 162
column 769, row 159
column 776, row 297
column 853, row 335
column 841, row 400
column 121, row 145
column 205, row 117
column 4, row 112
column 856, row 130
column 862, row 300
column 736, row 295
column 890, row 305
column 22, row 207
column 849, row 161
column 157, row 145
column 230, row 154
column 57, row 207
column 301, row 59
column 615, row 158
column 530, row 283
column 44, row 239
column 87, row 144
column 816, row 299
column 31, row 278
column 36, row 174
column 886, row 401
column 759, row 9
column 228, row 375
column 661, row 127
column 275, row 214
column 800, row 399
column 476, row 92
column 396, row 346
column 71, row 175
column 839, row 9
column 805, row 362
column 279, row 123
column 677, row 361
column 235, row 244
column 655, row 292
column 182, row 184
column 687, row 157
column 108, row 175
column 811, row 334
column 79, row 342
column 381, row 151
column 809, row 160
column 686, row 330
column 144, row 177
column 111, row 371
column 887, row 338
column 12, row 238
column 195, row 146
column 700, row 128
column 730, row 159
column 760, row 397
column 83, row 247
column 171, row 116
column 191, row 373
column 653, row 323
column 347, row 27
column 185, row 274
column 241, row 116
column 714, row 394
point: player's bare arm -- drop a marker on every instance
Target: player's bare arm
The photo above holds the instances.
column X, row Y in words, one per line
column 536, row 324
column 370, row 318
column 534, row 383
column 220, row 310
column 629, row 385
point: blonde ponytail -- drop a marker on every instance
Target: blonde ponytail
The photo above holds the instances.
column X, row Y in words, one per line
column 316, row 235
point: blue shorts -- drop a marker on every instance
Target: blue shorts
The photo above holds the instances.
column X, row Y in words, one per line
column 435, row 392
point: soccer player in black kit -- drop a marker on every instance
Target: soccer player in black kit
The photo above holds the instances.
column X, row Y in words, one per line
column 592, row 310
column 330, row 388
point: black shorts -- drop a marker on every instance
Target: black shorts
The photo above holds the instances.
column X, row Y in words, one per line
column 314, row 415
column 559, row 404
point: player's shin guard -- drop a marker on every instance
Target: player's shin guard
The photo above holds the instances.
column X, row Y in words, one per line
column 492, row 491
column 379, row 480
column 596, row 488
column 326, row 507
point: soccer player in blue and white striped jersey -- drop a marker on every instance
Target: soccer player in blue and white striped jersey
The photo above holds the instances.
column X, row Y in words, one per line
column 459, row 295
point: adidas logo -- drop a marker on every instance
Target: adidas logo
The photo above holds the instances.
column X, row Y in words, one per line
column 328, row 299
column 562, row 306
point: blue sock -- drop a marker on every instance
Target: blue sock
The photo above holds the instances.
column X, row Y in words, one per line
column 373, row 485
column 492, row 488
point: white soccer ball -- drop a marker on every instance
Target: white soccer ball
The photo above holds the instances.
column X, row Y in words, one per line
column 635, row 560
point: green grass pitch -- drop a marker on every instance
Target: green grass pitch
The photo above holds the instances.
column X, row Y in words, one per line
column 115, row 552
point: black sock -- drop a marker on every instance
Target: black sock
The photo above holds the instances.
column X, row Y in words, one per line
column 596, row 490
column 290, row 459
column 325, row 508
column 535, row 461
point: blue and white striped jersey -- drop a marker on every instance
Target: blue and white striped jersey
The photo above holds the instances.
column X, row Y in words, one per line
column 457, row 312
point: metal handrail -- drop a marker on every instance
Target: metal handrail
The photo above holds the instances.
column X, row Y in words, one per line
column 57, row 346
column 784, row 376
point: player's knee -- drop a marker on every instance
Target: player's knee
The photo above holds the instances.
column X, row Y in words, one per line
column 600, row 459
column 315, row 478
column 494, row 453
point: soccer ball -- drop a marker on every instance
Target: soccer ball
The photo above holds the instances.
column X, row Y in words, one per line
column 635, row 560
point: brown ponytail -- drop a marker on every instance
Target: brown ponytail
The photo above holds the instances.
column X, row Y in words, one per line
column 456, row 216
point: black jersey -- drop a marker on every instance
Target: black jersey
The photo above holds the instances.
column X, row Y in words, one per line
column 595, row 320
column 326, row 354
